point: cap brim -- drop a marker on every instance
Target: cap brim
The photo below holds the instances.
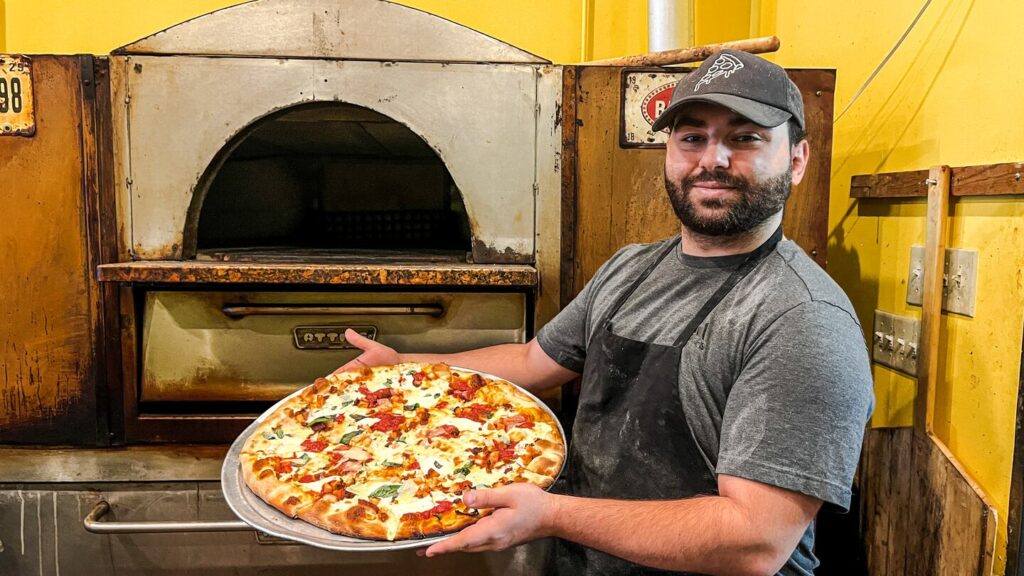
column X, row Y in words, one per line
column 756, row 112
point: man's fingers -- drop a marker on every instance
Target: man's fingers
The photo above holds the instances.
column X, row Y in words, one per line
column 477, row 537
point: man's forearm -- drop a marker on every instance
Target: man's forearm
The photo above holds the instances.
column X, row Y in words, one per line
column 709, row 534
column 514, row 362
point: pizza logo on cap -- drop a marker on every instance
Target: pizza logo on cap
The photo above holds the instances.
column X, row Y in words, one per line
column 725, row 65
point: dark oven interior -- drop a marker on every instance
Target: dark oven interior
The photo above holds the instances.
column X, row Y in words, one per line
column 330, row 182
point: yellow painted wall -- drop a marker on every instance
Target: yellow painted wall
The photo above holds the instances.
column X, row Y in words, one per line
column 949, row 95
column 553, row 29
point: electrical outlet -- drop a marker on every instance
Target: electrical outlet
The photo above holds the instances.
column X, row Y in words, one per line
column 959, row 280
column 894, row 342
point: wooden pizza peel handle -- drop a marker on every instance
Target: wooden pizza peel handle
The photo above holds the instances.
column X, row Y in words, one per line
column 761, row 45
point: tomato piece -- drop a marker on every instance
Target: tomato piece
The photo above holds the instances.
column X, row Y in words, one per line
column 312, row 445
column 475, row 412
column 387, row 422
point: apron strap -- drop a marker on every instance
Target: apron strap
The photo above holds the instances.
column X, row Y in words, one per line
column 640, row 279
column 748, row 264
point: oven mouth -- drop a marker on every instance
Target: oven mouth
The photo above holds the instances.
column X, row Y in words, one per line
column 328, row 182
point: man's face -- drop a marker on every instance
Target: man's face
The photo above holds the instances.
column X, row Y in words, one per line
column 724, row 174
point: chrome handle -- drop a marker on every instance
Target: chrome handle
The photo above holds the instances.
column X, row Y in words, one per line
column 243, row 310
column 93, row 524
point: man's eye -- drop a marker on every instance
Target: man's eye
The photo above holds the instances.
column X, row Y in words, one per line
column 747, row 138
column 692, row 138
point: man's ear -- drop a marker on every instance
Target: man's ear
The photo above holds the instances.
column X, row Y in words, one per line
column 800, row 153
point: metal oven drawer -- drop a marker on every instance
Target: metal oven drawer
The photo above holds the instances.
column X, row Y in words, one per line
column 260, row 346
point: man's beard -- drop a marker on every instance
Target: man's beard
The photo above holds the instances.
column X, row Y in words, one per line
column 753, row 204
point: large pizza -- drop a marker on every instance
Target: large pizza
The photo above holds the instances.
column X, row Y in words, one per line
column 386, row 453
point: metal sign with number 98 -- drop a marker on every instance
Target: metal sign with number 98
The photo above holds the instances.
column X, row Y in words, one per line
column 16, row 114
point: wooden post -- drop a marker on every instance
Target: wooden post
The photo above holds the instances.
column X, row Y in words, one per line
column 936, row 235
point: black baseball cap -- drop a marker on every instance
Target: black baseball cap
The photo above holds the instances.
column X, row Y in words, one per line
column 742, row 82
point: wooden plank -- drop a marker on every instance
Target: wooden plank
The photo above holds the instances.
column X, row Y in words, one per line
column 890, row 185
column 921, row 514
column 805, row 220
column 201, row 272
column 569, row 189
column 1005, row 179
column 49, row 302
column 936, row 235
column 875, row 491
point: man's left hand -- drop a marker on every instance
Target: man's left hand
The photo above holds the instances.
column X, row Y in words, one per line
column 523, row 512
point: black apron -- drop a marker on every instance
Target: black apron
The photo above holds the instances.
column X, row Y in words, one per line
column 631, row 439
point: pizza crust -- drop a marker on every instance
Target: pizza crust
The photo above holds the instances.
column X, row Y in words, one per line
column 386, row 453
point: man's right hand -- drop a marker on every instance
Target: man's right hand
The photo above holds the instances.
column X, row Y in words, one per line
column 374, row 353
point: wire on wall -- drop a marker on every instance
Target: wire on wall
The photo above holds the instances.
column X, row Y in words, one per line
column 884, row 60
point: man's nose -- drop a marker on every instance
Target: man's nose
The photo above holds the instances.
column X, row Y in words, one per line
column 715, row 156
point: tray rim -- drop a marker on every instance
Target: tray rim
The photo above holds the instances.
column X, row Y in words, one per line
column 248, row 509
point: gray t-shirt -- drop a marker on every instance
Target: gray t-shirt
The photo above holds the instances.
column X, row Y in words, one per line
column 776, row 383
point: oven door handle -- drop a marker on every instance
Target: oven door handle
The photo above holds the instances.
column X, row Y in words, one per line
column 93, row 524
column 243, row 310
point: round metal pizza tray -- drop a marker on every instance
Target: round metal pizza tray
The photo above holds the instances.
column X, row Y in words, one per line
column 252, row 510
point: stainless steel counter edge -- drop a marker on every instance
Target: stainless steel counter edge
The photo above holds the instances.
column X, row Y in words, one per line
column 131, row 464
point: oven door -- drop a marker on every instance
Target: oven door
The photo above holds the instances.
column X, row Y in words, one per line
column 237, row 346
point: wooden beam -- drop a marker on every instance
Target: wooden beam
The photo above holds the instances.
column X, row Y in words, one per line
column 988, row 180
column 936, row 235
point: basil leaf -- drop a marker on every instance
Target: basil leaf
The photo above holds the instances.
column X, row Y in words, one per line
column 412, row 372
column 279, row 432
column 390, row 464
column 437, row 464
column 347, row 403
column 320, row 420
column 269, row 436
column 438, row 395
column 349, row 436
column 303, row 460
column 357, row 417
column 388, row 383
column 386, row 491
column 463, row 470
column 472, row 512
column 411, row 407
column 401, row 439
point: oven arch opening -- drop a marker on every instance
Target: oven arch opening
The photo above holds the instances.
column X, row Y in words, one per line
column 328, row 182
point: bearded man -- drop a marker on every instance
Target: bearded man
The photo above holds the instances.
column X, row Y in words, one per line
column 725, row 378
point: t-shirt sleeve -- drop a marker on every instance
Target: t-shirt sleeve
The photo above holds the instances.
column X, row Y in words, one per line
column 566, row 336
column 796, row 415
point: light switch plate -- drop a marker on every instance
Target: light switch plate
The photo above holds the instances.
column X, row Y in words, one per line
column 959, row 284
column 894, row 342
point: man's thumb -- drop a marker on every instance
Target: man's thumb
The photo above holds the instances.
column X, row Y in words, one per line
column 358, row 340
column 484, row 499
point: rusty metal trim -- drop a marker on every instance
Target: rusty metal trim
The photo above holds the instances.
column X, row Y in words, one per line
column 192, row 272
